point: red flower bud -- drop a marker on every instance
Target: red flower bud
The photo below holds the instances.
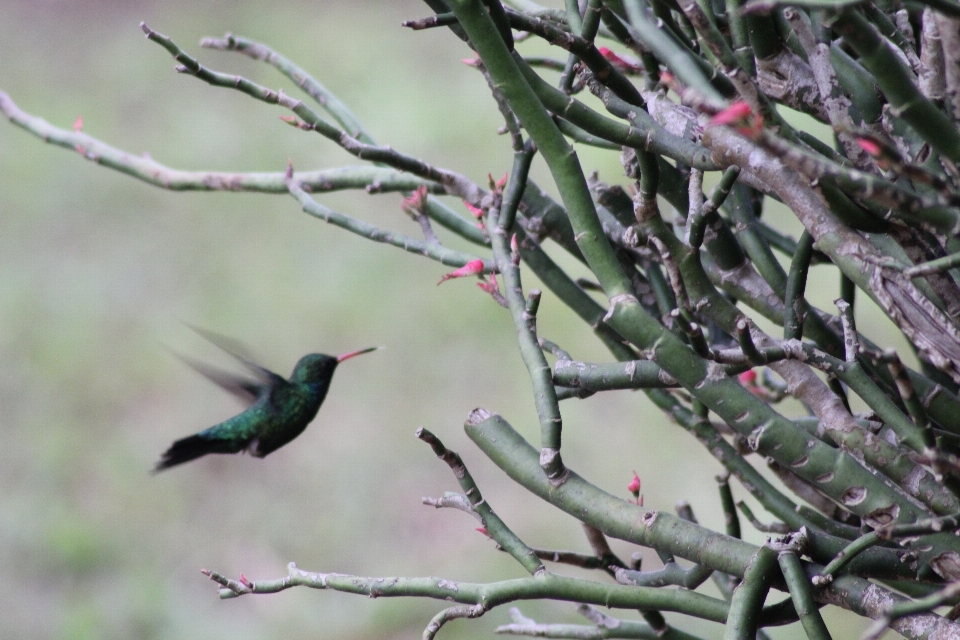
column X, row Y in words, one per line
column 415, row 202
column 476, row 211
column 619, row 61
column 870, row 146
column 748, row 378
column 483, row 530
column 492, row 287
column 472, row 268
column 634, row 486
column 734, row 114
column 741, row 116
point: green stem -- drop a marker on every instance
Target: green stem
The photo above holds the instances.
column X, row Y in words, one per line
column 518, row 184
column 794, row 303
column 561, row 159
column 645, row 133
column 748, row 597
column 433, row 251
column 456, row 184
column 524, row 320
column 800, row 591
column 142, row 167
column 490, row 595
column 730, row 517
column 496, row 528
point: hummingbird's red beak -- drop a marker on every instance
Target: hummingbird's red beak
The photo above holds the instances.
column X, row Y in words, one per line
column 347, row 356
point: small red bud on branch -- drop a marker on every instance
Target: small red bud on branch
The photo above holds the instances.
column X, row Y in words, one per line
column 741, row 117
column 476, row 211
column 620, row 62
column 634, row 488
column 415, row 202
column 472, row 268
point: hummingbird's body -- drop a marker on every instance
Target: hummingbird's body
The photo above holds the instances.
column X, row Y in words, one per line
column 279, row 409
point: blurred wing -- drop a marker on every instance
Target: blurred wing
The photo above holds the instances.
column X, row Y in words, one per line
column 238, row 351
column 246, row 389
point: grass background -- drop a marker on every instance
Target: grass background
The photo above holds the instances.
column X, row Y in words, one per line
column 99, row 271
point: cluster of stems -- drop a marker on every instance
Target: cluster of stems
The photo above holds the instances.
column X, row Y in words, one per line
column 685, row 90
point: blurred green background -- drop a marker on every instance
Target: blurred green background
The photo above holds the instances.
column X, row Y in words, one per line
column 99, row 271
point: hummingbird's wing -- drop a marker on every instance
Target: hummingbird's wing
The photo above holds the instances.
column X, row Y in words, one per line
column 238, row 351
column 246, row 389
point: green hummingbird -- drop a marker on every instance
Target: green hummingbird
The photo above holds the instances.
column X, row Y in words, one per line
column 279, row 410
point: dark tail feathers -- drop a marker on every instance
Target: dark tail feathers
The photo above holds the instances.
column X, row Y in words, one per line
column 191, row 448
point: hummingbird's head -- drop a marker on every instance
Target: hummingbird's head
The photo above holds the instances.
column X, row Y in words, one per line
column 314, row 367
column 319, row 367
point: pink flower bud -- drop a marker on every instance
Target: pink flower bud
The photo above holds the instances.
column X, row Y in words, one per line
column 748, row 378
column 78, row 124
column 736, row 113
column 870, row 146
column 472, row 268
column 740, row 116
column 502, row 182
column 619, row 61
column 476, row 211
column 415, row 202
column 471, row 62
column 483, row 530
column 634, row 486
column 491, row 287
column 291, row 120
column 245, row 582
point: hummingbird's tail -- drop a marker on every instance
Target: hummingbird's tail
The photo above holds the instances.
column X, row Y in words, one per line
column 193, row 447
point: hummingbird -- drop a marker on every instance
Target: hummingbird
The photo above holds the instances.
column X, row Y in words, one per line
column 278, row 409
